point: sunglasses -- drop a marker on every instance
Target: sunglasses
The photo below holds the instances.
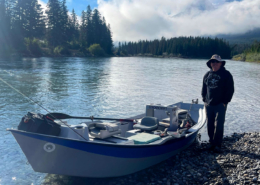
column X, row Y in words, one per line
column 215, row 61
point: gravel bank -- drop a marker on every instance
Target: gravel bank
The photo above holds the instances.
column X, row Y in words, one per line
column 239, row 163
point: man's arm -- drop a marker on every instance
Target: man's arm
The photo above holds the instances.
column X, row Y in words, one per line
column 229, row 89
column 204, row 88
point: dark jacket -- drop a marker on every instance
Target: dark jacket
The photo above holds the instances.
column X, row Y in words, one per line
column 218, row 87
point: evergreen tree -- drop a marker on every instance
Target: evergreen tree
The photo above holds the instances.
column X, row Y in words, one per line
column 20, row 23
column 74, row 26
column 105, row 37
column 109, row 41
column 20, row 19
column 64, row 22
column 89, row 27
column 83, row 35
column 36, row 21
column 86, row 30
column 182, row 46
column 4, row 28
column 96, row 27
column 55, row 27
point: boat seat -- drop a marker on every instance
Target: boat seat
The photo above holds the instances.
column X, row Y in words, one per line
column 148, row 124
column 103, row 130
column 182, row 114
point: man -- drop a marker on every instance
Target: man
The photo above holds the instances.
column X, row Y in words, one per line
column 217, row 92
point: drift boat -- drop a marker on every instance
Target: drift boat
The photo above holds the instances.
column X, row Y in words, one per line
column 108, row 149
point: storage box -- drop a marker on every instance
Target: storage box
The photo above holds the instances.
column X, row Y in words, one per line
column 144, row 138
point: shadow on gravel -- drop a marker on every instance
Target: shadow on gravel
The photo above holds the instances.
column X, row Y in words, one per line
column 195, row 165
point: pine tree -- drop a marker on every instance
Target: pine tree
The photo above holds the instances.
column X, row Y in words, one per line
column 89, row 27
column 20, row 22
column 20, row 19
column 182, row 46
column 64, row 22
column 105, row 37
column 74, row 27
column 4, row 28
column 54, row 24
column 36, row 21
column 97, row 27
column 83, row 28
column 109, row 41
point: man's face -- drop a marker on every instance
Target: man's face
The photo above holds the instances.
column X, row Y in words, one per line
column 215, row 65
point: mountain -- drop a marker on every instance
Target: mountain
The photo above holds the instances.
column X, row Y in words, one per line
column 198, row 5
column 246, row 38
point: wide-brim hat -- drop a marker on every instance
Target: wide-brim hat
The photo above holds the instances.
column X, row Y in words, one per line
column 216, row 57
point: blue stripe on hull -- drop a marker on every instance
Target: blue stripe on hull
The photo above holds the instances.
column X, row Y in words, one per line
column 121, row 151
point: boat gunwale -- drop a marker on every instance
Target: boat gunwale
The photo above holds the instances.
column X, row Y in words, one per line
column 194, row 130
column 107, row 144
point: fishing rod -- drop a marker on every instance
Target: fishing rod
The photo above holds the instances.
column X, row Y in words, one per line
column 66, row 116
column 59, row 116
column 33, row 101
column 20, row 77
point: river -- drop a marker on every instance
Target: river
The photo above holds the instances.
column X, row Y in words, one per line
column 109, row 87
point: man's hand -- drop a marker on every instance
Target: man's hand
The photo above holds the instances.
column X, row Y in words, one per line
column 224, row 105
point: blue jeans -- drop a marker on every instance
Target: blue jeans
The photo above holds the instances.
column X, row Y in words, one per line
column 215, row 123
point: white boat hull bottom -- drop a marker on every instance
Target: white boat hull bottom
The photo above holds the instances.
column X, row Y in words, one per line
column 59, row 159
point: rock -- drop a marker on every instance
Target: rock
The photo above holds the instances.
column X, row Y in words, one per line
column 239, row 164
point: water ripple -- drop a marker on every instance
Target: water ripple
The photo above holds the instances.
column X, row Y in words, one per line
column 110, row 87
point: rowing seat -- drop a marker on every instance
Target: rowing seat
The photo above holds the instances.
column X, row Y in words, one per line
column 103, row 130
column 148, row 124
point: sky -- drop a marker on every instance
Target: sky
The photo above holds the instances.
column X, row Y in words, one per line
column 133, row 20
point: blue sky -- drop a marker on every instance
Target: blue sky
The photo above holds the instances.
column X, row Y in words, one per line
column 132, row 20
column 79, row 5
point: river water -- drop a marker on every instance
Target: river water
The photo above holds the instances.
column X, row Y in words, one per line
column 109, row 87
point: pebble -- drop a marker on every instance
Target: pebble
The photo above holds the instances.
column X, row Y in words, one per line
column 239, row 163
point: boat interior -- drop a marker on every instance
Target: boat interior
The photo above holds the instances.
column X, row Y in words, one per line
column 156, row 126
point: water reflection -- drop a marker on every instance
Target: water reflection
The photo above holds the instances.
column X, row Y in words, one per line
column 109, row 87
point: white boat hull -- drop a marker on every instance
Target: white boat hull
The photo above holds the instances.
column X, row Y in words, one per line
column 65, row 160
column 74, row 157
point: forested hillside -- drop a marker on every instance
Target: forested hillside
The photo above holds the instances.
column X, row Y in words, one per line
column 26, row 29
column 252, row 54
column 194, row 47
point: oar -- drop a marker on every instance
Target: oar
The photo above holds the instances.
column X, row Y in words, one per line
column 65, row 116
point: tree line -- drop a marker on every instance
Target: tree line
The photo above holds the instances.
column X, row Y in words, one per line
column 251, row 54
column 196, row 47
column 24, row 26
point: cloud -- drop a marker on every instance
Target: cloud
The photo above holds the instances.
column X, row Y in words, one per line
column 132, row 20
column 43, row 6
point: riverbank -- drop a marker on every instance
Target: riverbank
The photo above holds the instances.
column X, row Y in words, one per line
column 76, row 53
column 250, row 57
column 239, row 163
